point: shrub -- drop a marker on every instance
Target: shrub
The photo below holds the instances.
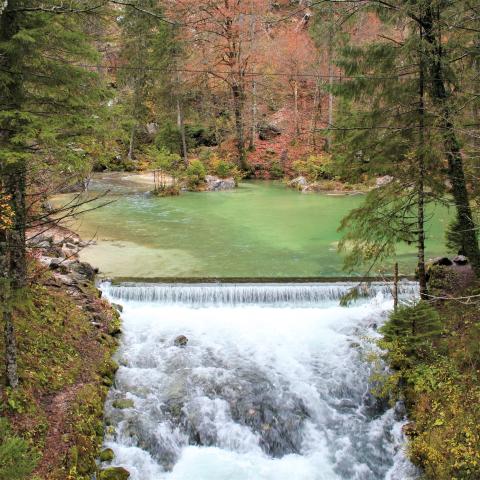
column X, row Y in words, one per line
column 16, row 458
column 412, row 328
column 314, row 168
column 276, row 170
column 169, row 138
column 195, row 174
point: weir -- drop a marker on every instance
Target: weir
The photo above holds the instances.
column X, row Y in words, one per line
column 279, row 294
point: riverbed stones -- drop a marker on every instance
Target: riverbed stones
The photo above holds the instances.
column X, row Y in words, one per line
column 114, row 473
column 180, row 341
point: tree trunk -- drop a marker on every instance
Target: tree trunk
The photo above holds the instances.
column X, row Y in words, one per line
column 422, row 276
column 253, row 130
column 238, row 103
column 131, row 143
column 295, row 99
column 436, row 60
column 11, row 376
column 181, row 128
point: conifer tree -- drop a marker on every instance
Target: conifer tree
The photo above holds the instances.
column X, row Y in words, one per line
column 46, row 115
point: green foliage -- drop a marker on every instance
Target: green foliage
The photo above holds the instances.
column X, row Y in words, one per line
column 200, row 136
column 454, row 238
column 433, row 349
column 314, row 168
column 17, row 459
column 195, row 174
column 276, row 170
column 169, row 138
column 412, row 329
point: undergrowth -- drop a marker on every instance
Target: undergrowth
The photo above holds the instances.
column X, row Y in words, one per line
column 434, row 352
column 52, row 423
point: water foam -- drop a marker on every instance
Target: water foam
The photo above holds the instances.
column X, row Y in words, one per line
column 259, row 392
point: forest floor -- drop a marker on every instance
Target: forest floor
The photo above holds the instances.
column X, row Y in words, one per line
column 66, row 335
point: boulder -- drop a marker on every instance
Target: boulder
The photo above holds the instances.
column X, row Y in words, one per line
column 114, row 473
column 460, row 260
column 215, row 184
column 117, row 307
column 268, row 131
column 382, row 181
column 107, row 455
column 181, row 341
column 84, row 269
column 299, row 182
column 444, row 261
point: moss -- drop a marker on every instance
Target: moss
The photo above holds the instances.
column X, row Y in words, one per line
column 114, row 473
column 64, row 374
column 123, row 404
column 107, row 455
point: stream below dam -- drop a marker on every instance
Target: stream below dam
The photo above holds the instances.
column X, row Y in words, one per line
column 274, row 383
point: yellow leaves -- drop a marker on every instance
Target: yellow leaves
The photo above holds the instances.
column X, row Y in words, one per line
column 7, row 214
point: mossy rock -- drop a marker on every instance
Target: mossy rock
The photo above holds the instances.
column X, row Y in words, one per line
column 114, row 473
column 107, row 455
column 123, row 404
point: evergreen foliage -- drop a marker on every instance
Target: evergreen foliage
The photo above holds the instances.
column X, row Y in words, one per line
column 16, row 458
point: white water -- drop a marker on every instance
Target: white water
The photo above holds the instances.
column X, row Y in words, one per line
column 259, row 393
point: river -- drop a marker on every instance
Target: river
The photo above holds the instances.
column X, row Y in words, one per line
column 273, row 384
column 261, row 229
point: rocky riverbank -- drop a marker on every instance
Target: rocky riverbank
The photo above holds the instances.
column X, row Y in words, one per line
column 66, row 335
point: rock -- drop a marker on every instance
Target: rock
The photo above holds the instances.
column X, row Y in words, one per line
column 460, row 260
column 181, row 341
column 70, row 246
column 445, row 261
column 268, row 131
column 114, row 473
column 400, row 410
column 299, row 182
column 117, row 307
column 40, row 240
column 107, row 455
column 123, row 404
column 410, row 429
column 85, row 269
column 55, row 263
column 382, row 181
column 43, row 244
column 215, row 184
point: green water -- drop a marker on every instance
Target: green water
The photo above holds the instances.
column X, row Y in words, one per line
column 261, row 229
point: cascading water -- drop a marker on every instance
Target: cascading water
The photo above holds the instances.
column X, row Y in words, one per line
column 273, row 384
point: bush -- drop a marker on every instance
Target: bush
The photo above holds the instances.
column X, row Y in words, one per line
column 412, row 329
column 195, row 174
column 169, row 138
column 276, row 170
column 16, row 458
column 314, row 168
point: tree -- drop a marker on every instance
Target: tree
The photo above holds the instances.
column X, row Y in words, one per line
column 221, row 31
column 46, row 116
column 385, row 127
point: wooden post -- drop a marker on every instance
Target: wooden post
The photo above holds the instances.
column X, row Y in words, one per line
column 395, row 287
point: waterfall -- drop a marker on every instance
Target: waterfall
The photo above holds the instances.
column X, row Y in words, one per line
column 306, row 294
column 272, row 384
